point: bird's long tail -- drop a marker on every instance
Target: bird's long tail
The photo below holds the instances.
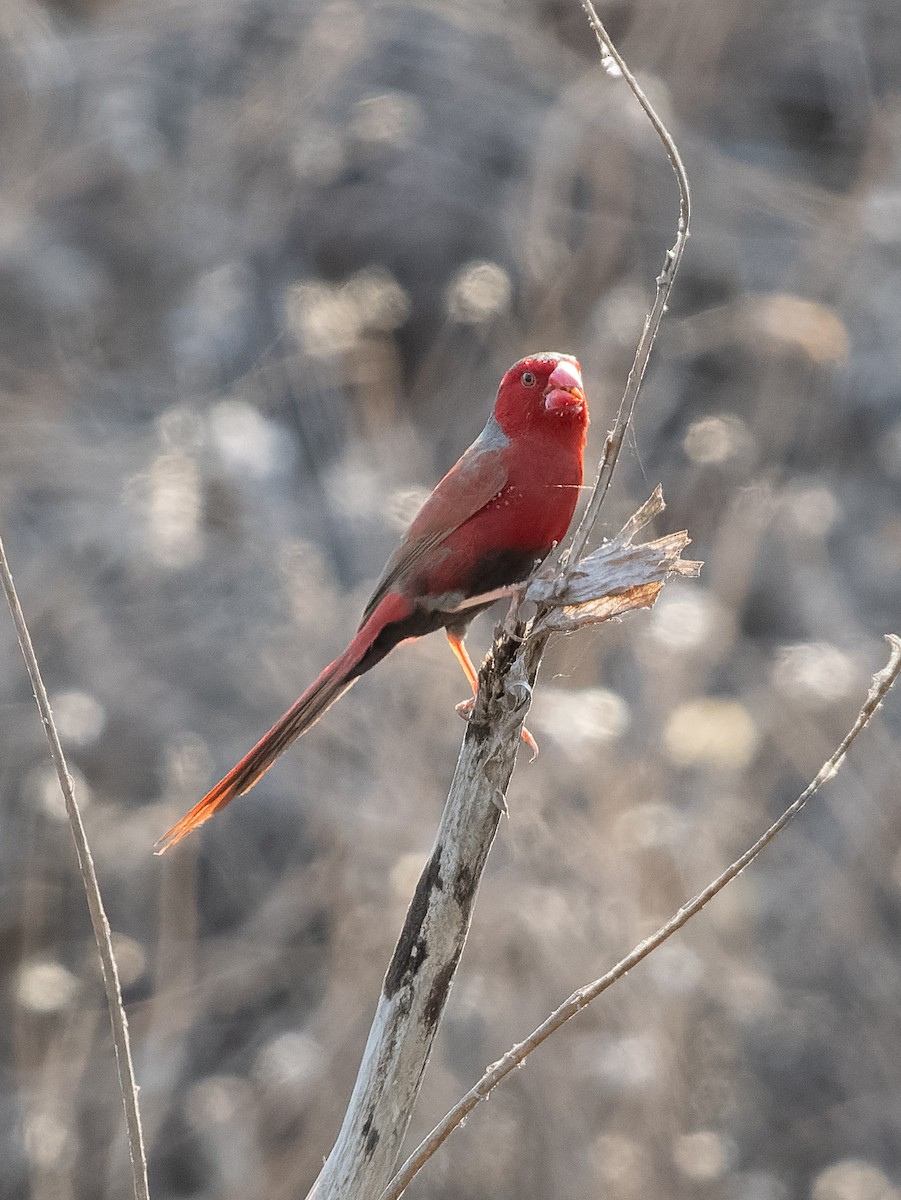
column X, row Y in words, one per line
column 331, row 684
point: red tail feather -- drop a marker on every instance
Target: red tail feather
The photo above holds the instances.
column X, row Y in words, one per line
column 334, row 681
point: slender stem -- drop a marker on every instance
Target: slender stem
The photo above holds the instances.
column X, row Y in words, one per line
column 109, row 970
column 879, row 688
column 665, row 280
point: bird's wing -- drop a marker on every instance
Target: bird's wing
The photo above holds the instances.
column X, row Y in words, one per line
column 474, row 480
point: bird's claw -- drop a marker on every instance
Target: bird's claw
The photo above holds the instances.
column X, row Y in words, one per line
column 465, row 707
column 531, row 743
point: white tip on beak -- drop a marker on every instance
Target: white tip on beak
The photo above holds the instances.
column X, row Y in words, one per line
column 565, row 375
column 564, row 387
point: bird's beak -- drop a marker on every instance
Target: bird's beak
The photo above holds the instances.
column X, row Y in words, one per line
column 565, row 389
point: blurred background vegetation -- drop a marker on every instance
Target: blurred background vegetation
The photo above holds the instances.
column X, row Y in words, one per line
column 262, row 264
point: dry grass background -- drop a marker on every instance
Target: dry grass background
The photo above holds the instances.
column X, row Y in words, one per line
column 262, row 263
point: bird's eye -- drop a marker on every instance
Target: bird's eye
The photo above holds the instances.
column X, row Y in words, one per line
column 528, row 379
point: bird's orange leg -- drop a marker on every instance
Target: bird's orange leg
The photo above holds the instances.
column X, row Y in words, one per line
column 462, row 656
column 465, row 708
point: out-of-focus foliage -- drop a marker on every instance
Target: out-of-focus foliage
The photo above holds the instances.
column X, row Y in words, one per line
column 262, row 263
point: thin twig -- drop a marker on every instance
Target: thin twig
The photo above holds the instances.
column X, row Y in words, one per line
column 109, row 970
column 665, row 279
column 879, row 688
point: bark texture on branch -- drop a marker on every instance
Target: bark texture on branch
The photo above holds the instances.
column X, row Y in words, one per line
column 616, row 578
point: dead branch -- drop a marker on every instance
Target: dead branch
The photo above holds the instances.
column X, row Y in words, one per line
column 879, row 688
column 616, row 579
column 612, row 581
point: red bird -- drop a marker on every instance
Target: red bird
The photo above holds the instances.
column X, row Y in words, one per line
column 493, row 516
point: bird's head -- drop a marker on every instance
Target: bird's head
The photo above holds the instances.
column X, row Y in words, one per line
column 542, row 391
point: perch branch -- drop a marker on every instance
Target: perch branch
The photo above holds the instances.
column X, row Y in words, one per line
column 879, row 688
column 610, row 583
column 118, row 1020
column 617, row 578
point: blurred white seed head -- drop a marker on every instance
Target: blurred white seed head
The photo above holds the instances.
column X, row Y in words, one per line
column 853, row 1179
column 675, row 969
column 329, row 319
column 716, row 440
column 786, row 322
column 479, row 292
column 619, row 315
column 390, row 119
column 80, row 718
column 629, row 1062
column 703, row 1156
column 48, row 1139
column 711, row 732
column 814, row 674
column 247, row 442
column 168, row 500
column 354, row 487
column 621, row 1165
column 44, row 986
column 580, row 719
column 689, row 619
column 217, row 1100
column 811, row 511
column 382, row 304
column 651, row 825
column 324, row 319
column 291, row 1061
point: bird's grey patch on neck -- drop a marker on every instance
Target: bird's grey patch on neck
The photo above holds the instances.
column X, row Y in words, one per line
column 492, row 436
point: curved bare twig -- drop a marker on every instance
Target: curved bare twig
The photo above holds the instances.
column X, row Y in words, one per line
column 665, row 280
column 583, row 996
column 118, row 1020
